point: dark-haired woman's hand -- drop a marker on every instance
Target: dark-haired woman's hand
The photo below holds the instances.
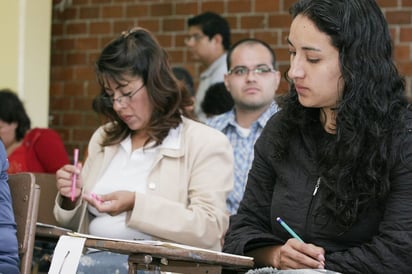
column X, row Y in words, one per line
column 297, row 255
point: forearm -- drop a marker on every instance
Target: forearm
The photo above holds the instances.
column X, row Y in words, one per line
column 265, row 256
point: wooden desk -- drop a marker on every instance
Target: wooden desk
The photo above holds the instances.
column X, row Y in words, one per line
column 163, row 257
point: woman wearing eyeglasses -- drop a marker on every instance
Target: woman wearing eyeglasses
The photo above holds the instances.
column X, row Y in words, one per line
column 151, row 171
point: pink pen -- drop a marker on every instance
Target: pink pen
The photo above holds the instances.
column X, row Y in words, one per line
column 74, row 176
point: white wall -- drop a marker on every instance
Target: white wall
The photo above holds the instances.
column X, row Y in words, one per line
column 26, row 30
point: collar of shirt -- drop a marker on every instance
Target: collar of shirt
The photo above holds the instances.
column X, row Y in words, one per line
column 172, row 140
column 226, row 119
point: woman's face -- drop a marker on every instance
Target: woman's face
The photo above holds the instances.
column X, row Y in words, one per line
column 314, row 65
column 8, row 133
column 130, row 101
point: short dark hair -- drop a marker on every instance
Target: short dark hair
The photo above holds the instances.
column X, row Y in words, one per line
column 217, row 100
column 251, row 41
column 183, row 74
column 211, row 24
column 12, row 111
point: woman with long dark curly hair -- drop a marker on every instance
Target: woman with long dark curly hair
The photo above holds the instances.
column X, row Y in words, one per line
column 336, row 162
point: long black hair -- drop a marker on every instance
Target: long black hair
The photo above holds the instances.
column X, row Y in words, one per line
column 354, row 165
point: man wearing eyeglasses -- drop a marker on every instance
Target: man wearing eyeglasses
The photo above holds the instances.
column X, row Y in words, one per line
column 208, row 41
column 252, row 80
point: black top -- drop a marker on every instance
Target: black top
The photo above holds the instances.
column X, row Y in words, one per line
column 379, row 242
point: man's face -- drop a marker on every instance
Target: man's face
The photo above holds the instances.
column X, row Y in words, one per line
column 253, row 80
column 199, row 44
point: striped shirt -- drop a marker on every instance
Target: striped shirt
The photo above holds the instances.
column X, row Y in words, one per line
column 242, row 143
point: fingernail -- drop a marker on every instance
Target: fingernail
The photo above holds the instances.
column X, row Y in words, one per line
column 321, row 258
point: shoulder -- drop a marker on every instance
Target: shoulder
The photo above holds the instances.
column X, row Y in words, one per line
column 42, row 132
column 201, row 132
column 99, row 135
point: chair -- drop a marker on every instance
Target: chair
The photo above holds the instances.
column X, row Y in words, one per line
column 47, row 183
column 25, row 194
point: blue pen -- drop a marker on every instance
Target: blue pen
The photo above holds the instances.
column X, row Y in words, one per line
column 288, row 229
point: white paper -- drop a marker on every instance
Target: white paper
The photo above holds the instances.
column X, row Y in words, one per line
column 67, row 255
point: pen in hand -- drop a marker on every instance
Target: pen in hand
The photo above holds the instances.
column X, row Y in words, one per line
column 288, row 229
column 74, row 176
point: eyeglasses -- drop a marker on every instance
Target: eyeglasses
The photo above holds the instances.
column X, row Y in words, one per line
column 123, row 100
column 242, row 70
column 196, row 37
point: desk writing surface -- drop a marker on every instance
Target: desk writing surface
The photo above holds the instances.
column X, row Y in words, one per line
column 166, row 249
column 159, row 249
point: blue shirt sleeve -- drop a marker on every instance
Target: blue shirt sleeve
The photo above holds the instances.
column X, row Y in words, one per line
column 9, row 256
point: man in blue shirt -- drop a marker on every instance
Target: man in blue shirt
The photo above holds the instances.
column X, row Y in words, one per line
column 9, row 256
column 252, row 80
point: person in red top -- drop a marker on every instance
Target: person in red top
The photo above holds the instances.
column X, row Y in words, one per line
column 28, row 150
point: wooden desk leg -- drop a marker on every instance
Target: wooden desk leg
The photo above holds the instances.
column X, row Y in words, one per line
column 132, row 268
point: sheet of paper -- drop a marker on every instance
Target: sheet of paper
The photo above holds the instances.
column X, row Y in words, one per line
column 66, row 255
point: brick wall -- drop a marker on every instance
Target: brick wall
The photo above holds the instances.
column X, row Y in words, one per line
column 81, row 30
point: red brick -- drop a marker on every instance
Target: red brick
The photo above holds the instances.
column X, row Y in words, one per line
column 76, row 28
column 86, row 43
column 100, row 27
column 63, row 44
column 186, row 8
column 76, row 58
column 137, row 11
column 215, row 6
column 64, row 73
column 241, row 6
column 113, row 12
column 267, row 6
column 84, row 73
column 123, row 25
column 280, row 21
column 253, row 22
column 174, row 24
column 270, row 37
column 407, row 3
column 57, row 59
column 150, row 24
column 288, row 4
column 90, row 12
column 74, row 89
column 161, row 9
column 386, row 3
column 398, row 17
column 165, row 40
column 405, row 34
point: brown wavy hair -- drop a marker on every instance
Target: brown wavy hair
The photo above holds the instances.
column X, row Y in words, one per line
column 137, row 53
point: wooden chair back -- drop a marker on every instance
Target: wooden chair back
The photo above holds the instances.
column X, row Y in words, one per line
column 25, row 194
column 47, row 183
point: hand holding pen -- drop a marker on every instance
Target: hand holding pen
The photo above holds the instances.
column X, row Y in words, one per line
column 68, row 181
column 313, row 256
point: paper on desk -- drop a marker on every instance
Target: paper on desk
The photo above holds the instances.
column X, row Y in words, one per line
column 66, row 255
column 158, row 243
column 52, row 226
